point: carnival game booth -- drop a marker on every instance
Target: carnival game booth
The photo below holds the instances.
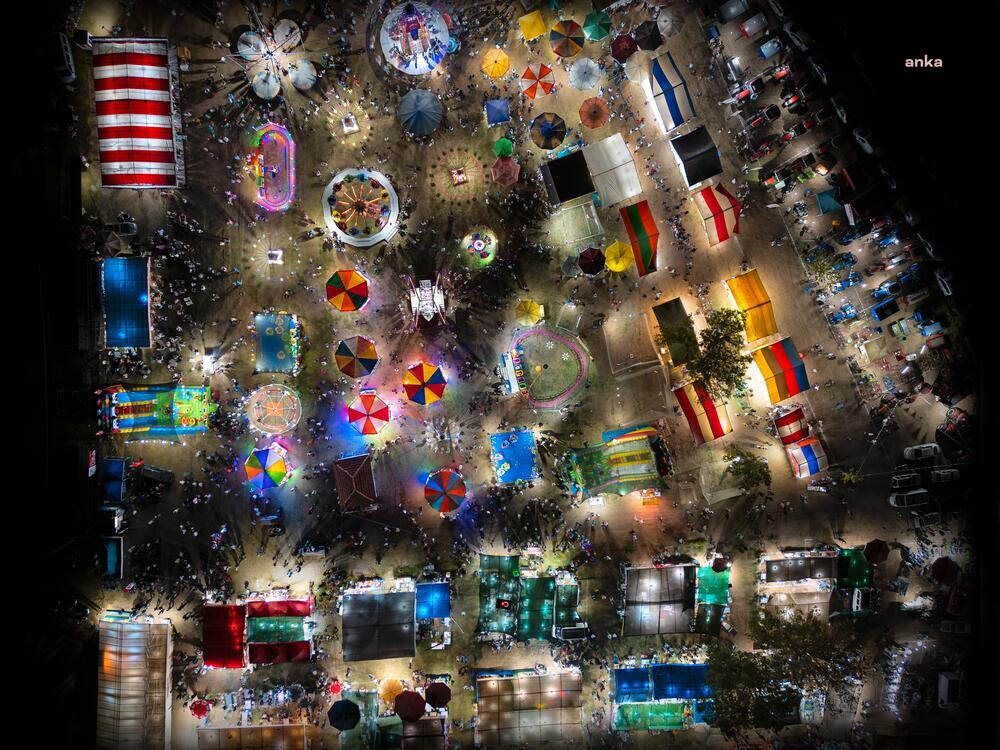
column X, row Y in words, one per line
column 643, row 235
column 166, row 412
column 266, row 737
column 713, row 599
column 630, row 459
column 672, row 103
column 276, row 631
column 134, row 668
column 707, row 418
column 697, row 157
column 751, row 297
column 138, row 119
column 378, row 625
column 567, row 178
column 720, row 211
column 499, row 593
column 661, row 697
column 125, row 300
column 821, row 581
column 807, row 458
column 223, row 635
column 529, row 710
column 273, row 166
column 612, row 170
column 433, row 613
column 659, row 600
column 277, row 336
column 783, row 370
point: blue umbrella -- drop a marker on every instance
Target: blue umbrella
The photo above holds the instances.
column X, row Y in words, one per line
column 420, row 112
column 497, row 111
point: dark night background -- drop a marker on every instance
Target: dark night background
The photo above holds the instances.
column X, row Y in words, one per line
column 925, row 119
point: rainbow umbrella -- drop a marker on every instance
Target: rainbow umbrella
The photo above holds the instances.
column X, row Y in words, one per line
column 566, row 38
column 356, row 356
column 267, row 467
column 444, row 490
column 347, row 291
column 368, row 413
column 424, row 383
column 495, row 63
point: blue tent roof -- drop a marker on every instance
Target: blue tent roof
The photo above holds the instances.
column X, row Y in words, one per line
column 679, row 681
column 497, row 111
column 112, row 480
column 420, row 112
column 631, row 685
column 433, row 600
column 125, row 294
column 827, row 201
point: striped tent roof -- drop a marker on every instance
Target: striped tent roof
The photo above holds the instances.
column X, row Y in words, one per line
column 643, row 235
column 792, row 426
column 671, row 99
column 783, row 370
column 807, row 457
column 751, row 298
column 720, row 211
column 707, row 419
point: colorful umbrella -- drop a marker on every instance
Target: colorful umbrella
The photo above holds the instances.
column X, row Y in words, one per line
column 503, row 147
column 505, row 171
column 347, row 291
column 566, row 38
column 368, row 413
column 344, row 715
column 591, row 261
column 445, row 490
column 623, row 47
column 548, row 130
column 437, row 694
column 495, row 63
column 532, row 25
column 356, row 356
column 409, row 706
column 389, row 689
column 267, row 467
column 594, row 112
column 584, row 74
column 537, row 78
column 647, row 36
column 597, row 25
column 528, row 312
column 618, row 256
column 424, row 383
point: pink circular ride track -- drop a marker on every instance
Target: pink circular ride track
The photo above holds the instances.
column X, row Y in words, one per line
column 570, row 343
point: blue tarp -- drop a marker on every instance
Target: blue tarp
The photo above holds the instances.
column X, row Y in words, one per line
column 679, row 681
column 276, row 346
column 632, row 685
column 112, row 480
column 497, row 111
column 827, row 201
column 125, row 296
column 514, row 456
column 433, row 601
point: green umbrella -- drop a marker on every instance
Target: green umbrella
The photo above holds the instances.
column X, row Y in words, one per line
column 597, row 25
column 503, row 147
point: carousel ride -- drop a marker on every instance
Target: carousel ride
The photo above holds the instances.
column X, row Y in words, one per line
column 361, row 207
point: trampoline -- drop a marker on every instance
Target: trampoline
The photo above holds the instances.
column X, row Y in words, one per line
column 274, row 409
column 514, row 456
column 125, row 297
column 361, row 207
column 273, row 163
column 554, row 366
column 277, row 343
column 275, row 629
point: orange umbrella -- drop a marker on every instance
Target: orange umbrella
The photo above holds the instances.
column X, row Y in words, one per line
column 537, row 78
column 594, row 112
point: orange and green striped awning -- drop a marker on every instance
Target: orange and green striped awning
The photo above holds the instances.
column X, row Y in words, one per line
column 642, row 234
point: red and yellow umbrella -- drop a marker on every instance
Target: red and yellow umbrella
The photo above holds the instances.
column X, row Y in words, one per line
column 356, row 356
column 368, row 413
column 424, row 383
column 347, row 291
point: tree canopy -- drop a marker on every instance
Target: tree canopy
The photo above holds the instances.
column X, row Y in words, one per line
column 720, row 364
column 751, row 471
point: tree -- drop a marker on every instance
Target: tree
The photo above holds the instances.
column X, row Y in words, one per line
column 823, row 271
column 680, row 340
column 748, row 689
column 749, row 470
column 720, row 364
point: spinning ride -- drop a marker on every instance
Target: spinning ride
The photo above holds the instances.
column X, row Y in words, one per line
column 414, row 38
column 361, row 207
column 274, row 409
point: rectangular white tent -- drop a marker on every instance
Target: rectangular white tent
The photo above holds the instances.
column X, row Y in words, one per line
column 672, row 103
column 133, row 686
column 612, row 169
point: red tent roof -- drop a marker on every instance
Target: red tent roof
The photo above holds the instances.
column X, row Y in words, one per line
column 355, row 481
column 222, row 631
column 284, row 608
column 279, row 653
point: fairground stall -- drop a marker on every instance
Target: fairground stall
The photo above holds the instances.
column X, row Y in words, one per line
column 165, row 412
column 672, row 103
column 665, row 697
column 659, row 600
column 707, row 418
column 751, row 297
column 529, row 710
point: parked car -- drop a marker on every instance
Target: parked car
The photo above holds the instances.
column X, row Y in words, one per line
column 778, row 9
column 820, row 68
column 755, row 24
column 905, row 481
column 845, row 314
column 923, row 520
column 944, row 278
column 843, row 261
column 885, row 309
column 123, row 227
column 798, row 36
column 915, row 297
column 945, row 476
column 733, row 8
column 886, row 290
column 763, row 116
column 155, row 473
column 955, row 627
column 851, row 280
column 865, row 139
column 927, row 242
column 839, row 103
column 769, row 48
column 922, row 451
column 909, row 499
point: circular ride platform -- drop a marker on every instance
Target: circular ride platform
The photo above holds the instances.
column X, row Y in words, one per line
column 274, row 409
column 555, row 365
column 361, row 207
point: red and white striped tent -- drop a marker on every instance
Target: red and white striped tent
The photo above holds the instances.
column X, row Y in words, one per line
column 792, row 426
column 137, row 118
column 720, row 211
column 708, row 420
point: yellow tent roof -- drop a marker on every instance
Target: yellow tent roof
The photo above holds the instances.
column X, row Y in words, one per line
column 528, row 312
column 389, row 689
column 618, row 256
column 532, row 25
column 751, row 297
column 495, row 63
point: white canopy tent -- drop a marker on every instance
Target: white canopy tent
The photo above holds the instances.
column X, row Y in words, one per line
column 613, row 170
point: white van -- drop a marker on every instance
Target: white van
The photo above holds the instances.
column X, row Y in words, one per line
column 910, row 499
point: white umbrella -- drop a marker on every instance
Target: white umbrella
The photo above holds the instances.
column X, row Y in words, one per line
column 287, row 34
column 637, row 68
column 665, row 23
column 303, row 74
column 250, row 46
column 584, row 74
column 265, row 84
